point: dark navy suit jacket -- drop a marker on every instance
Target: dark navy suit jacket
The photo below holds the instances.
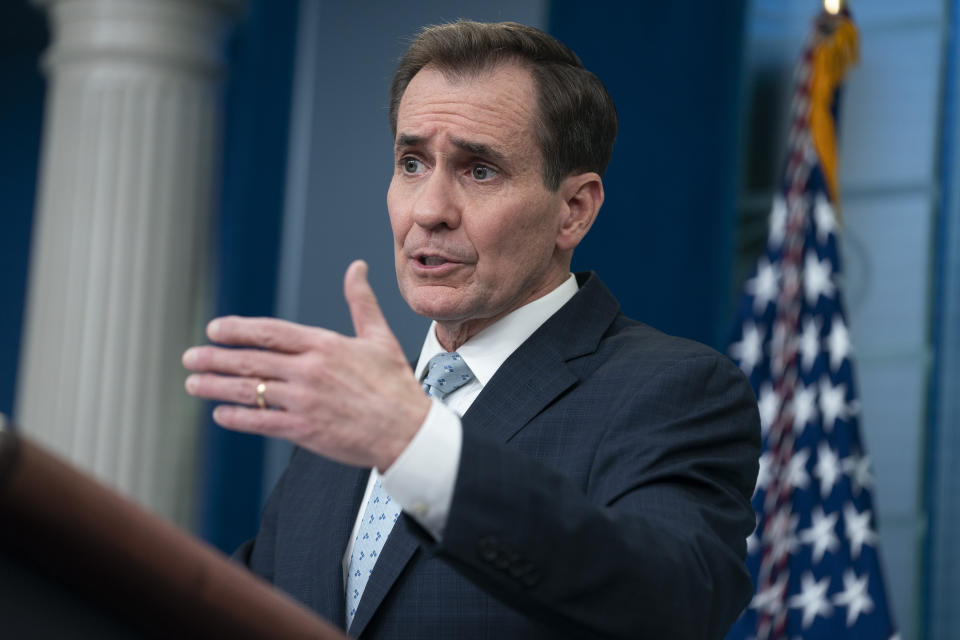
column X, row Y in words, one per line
column 603, row 491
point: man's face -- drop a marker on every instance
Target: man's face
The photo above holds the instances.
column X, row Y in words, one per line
column 475, row 229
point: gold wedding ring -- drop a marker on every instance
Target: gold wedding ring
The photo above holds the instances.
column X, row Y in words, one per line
column 261, row 390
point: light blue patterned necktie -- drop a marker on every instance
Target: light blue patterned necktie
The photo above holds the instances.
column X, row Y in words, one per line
column 446, row 372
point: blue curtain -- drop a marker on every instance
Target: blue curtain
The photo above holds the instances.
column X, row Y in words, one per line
column 257, row 97
column 665, row 238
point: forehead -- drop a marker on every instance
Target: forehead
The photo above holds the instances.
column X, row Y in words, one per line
column 494, row 107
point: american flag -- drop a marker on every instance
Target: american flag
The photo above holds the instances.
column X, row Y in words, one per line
column 814, row 555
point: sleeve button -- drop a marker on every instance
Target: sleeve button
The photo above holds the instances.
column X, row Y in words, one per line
column 530, row 578
column 489, row 548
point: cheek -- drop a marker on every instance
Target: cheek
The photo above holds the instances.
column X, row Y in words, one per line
column 399, row 221
column 522, row 238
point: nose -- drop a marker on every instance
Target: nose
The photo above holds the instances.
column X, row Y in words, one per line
column 438, row 202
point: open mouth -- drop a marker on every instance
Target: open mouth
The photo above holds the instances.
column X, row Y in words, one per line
column 432, row 261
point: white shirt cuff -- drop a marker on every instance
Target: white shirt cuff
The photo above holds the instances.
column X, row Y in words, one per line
column 423, row 476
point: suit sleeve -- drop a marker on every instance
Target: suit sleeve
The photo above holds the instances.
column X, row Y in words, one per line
column 653, row 543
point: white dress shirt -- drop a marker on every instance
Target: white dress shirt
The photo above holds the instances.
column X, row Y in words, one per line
column 422, row 478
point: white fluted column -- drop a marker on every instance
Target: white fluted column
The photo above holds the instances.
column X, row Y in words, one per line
column 120, row 262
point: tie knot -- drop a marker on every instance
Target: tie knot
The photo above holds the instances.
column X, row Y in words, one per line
column 446, row 372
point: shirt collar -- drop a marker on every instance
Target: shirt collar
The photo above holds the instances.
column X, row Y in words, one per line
column 486, row 351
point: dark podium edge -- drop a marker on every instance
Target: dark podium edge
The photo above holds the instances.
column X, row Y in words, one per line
column 116, row 563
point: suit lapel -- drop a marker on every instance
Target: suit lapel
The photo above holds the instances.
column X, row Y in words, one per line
column 530, row 379
column 337, row 495
column 526, row 383
column 538, row 371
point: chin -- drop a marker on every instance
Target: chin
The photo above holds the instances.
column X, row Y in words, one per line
column 435, row 303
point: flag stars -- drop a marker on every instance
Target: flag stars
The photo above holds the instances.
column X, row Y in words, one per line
column 804, row 407
column 858, row 468
column 822, row 533
column 838, row 342
column 768, row 406
column 764, row 286
column 817, row 278
column 833, row 403
column 749, row 351
column 763, row 474
column 797, row 469
column 827, row 470
column 809, row 343
column 854, row 596
column 824, row 218
column 857, row 526
column 812, row 598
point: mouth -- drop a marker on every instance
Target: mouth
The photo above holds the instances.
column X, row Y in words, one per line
column 434, row 262
column 431, row 259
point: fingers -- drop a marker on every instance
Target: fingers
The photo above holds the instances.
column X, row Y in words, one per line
column 276, row 424
column 243, row 391
column 368, row 320
column 249, row 363
column 266, row 333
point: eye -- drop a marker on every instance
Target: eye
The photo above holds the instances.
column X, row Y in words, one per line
column 482, row 172
column 411, row 165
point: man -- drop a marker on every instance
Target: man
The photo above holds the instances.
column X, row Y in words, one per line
column 591, row 478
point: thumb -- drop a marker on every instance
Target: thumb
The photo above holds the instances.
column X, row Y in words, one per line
column 368, row 320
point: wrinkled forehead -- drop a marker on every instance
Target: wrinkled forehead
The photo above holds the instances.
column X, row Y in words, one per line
column 499, row 99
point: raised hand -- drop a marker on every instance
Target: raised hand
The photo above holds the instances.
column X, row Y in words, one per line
column 352, row 399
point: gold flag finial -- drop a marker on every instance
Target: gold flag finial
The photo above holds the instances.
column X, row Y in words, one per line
column 834, row 52
column 834, row 7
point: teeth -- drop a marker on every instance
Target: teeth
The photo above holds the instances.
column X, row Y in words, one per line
column 431, row 261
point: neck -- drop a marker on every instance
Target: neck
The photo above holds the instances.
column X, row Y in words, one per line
column 453, row 335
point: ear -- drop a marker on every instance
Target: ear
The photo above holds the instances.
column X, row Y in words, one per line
column 583, row 194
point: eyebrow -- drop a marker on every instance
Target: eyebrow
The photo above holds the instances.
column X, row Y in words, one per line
column 474, row 148
column 406, row 140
